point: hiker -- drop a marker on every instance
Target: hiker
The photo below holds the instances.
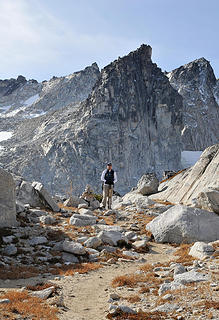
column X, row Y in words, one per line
column 108, row 177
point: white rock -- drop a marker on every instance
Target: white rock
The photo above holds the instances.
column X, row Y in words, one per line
column 201, row 250
column 131, row 254
column 179, row 269
column 43, row 294
column 131, row 235
column 169, row 287
column 46, row 196
column 140, row 244
column 190, row 276
column 148, row 184
column 4, row 301
column 84, row 211
column 47, row 219
column 81, row 220
column 73, row 247
column 144, row 203
column 181, row 224
column 93, row 242
column 110, row 237
column 208, row 199
column 83, row 206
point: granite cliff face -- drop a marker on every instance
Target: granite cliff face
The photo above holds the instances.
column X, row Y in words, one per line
column 197, row 84
column 132, row 117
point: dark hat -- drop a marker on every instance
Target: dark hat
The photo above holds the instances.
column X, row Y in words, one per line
column 109, row 163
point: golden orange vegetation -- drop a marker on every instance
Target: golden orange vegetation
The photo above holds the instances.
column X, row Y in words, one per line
column 172, row 176
column 24, row 304
column 72, row 269
column 183, row 254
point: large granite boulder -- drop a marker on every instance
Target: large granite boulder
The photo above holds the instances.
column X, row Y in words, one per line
column 181, row 224
column 201, row 250
column 148, row 184
column 26, row 193
column 198, row 185
column 208, row 199
column 7, row 200
column 36, row 195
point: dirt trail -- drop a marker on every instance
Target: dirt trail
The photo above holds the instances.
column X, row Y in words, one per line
column 86, row 296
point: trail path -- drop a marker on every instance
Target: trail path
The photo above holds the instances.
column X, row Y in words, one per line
column 86, row 295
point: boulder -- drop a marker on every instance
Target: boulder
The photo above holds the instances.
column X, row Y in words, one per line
column 38, row 240
column 208, row 200
column 43, row 193
column 201, row 250
column 74, row 201
column 27, row 194
column 69, row 257
column 83, row 205
column 190, row 276
column 43, row 294
column 82, row 220
column 110, row 237
column 148, row 184
column 181, row 224
column 131, row 197
column 140, row 244
column 94, row 204
column 93, row 242
column 84, row 211
column 144, row 203
column 7, row 200
column 10, row 250
column 47, row 219
column 19, row 207
column 73, row 247
column 89, row 196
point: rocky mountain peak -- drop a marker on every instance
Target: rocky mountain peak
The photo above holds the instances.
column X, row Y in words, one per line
column 131, row 117
column 21, row 99
column 7, row 86
column 196, row 72
column 197, row 84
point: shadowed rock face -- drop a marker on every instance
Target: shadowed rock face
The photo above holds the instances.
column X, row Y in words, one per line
column 197, row 84
column 7, row 200
column 132, row 117
column 9, row 85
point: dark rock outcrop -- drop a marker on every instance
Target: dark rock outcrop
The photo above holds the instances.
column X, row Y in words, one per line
column 197, row 84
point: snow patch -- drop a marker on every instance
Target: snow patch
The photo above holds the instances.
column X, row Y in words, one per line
column 31, row 100
column 189, row 158
column 5, row 135
column 5, row 108
column 34, row 115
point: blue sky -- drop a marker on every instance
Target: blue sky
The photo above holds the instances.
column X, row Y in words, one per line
column 42, row 38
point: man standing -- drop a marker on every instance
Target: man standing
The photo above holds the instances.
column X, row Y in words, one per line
column 108, row 177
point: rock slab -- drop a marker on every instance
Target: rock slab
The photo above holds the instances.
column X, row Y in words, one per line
column 181, row 224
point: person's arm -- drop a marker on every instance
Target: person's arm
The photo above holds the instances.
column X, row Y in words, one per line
column 103, row 176
column 115, row 177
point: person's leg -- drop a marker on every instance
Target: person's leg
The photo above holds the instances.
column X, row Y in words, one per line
column 105, row 195
column 110, row 194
